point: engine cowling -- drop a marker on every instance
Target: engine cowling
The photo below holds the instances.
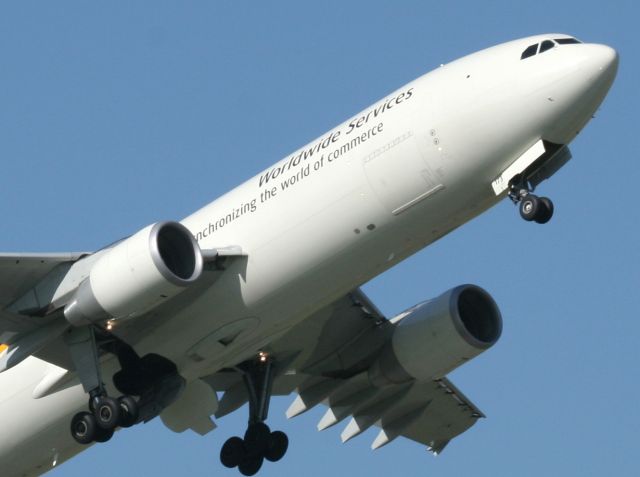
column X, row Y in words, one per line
column 137, row 275
column 435, row 337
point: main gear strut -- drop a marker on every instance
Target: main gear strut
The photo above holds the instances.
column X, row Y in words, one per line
column 106, row 413
column 259, row 441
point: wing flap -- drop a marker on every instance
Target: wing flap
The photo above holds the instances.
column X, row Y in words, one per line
column 431, row 413
column 445, row 414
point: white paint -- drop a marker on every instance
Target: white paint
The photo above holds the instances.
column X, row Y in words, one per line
column 464, row 133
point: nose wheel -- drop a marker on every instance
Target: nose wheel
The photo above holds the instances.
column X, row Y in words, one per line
column 532, row 208
column 536, row 209
column 259, row 442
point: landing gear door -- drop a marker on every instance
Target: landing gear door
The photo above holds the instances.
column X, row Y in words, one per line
column 535, row 165
column 549, row 168
column 399, row 174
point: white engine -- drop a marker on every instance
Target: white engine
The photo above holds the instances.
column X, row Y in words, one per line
column 435, row 337
column 137, row 275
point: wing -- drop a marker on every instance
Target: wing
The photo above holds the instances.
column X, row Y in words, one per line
column 31, row 325
column 325, row 361
column 20, row 274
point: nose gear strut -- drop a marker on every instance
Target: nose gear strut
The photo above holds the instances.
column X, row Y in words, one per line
column 259, row 441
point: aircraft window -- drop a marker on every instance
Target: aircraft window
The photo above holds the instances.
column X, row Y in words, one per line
column 530, row 51
column 546, row 45
column 566, row 41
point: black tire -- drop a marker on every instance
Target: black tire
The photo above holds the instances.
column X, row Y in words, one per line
column 103, row 435
column 256, row 439
column 84, row 428
column 529, row 207
column 277, row 446
column 106, row 412
column 129, row 411
column 232, row 452
column 545, row 212
column 250, row 466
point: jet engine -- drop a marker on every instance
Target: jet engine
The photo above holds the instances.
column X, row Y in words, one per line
column 137, row 274
column 436, row 336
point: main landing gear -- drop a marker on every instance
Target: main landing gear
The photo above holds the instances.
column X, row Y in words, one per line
column 532, row 207
column 105, row 413
column 259, row 441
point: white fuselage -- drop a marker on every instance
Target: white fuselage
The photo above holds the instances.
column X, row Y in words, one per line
column 346, row 207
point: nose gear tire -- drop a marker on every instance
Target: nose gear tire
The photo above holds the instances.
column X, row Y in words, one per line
column 546, row 211
column 529, row 207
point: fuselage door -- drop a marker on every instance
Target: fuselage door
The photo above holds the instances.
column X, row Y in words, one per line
column 399, row 173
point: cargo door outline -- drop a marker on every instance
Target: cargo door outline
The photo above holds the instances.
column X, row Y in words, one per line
column 399, row 174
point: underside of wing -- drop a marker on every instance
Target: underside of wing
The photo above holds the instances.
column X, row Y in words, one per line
column 431, row 413
column 19, row 275
column 42, row 295
column 332, row 358
column 20, row 272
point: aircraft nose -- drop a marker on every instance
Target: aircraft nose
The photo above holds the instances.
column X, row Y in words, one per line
column 603, row 63
column 590, row 70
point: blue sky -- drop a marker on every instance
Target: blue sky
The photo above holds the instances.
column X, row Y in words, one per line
column 114, row 115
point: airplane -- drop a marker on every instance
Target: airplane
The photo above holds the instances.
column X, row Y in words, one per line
column 258, row 293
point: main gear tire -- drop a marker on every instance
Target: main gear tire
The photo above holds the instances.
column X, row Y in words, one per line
column 277, row 446
column 250, row 466
column 84, row 428
column 256, row 438
column 103, row 435
column 232, row 452
column 106, row 411
column 129, row 411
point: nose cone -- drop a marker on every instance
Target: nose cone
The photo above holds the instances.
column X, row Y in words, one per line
column 589, row 74
column 603, row 61
column 599, row 68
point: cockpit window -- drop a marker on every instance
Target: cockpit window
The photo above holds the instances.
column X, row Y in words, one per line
column 566, row 41
column 546, row 45
column 530, row 51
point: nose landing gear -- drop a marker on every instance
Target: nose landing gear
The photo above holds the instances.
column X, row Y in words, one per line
column 532, row 207
column 259, row 441
column 537, row 209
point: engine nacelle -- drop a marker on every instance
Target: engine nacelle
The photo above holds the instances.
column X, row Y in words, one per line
column 435, row 337
column 137, row 275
